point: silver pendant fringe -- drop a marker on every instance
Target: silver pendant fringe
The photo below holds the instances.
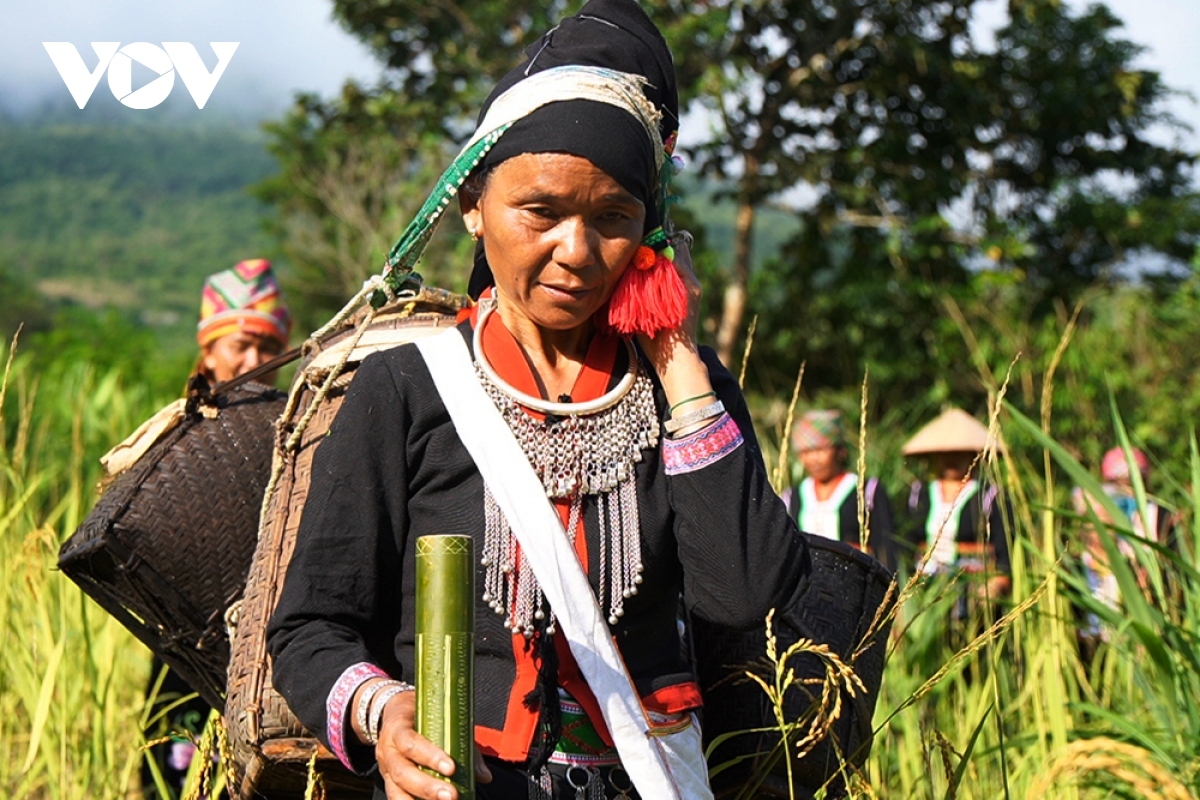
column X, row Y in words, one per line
column 574, row 455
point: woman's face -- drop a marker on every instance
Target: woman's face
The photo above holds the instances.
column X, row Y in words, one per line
column 953, row 466
column 558, row 233
column 823, row 463
column 237, row 353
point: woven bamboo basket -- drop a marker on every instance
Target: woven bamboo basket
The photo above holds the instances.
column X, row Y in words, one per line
column 271, row 749
column 166, row 548
column 847, row 596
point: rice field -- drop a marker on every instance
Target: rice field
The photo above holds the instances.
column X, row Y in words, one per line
column 1010, row 710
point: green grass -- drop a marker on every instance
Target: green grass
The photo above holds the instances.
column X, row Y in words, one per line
column 1014, row 714
column 71, row 678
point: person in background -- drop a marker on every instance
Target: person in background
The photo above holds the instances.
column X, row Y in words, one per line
column 825, row 502
column 1155, row 526
column 243, row 323
column 1118, row 484
column 956, row 521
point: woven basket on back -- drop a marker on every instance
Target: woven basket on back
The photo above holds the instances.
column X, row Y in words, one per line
column 167, row 547
column 845, row 597
column 271, row 749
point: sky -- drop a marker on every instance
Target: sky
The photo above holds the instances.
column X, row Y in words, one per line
column 285, row 46
column 294, row 45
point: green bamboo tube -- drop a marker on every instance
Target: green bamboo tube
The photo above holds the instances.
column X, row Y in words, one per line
column 446, row 651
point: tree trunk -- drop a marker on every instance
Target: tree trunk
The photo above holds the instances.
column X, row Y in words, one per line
column 733, row 308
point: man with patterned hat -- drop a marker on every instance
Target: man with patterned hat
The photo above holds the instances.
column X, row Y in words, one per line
column 243, row 320
column 825, row 503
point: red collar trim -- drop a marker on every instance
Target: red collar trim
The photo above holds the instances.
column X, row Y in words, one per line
column 509, row 361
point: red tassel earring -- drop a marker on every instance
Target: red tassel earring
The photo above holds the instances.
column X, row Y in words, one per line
column 650, row 297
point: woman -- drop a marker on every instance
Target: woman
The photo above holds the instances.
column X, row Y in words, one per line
column 560, row 198
column 957, row 521
column 244, row 322
column 825, row 503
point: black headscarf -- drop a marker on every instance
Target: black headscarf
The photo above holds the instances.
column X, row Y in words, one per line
column 615, row 34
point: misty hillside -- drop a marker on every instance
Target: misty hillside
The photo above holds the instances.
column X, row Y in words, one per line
column 128, row 217
column 107, row 214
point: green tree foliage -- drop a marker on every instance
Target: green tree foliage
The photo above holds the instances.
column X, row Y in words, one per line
column 930, row 160
column 353, row 171
column 930, row 167
column 20, row 306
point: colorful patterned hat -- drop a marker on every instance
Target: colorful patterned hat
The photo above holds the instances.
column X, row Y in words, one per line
column 245, row 298
column 1115, row 467
column 819, row 428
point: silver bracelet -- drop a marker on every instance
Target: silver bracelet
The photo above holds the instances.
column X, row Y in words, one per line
column 378, row 704
column 364, row 702
column 714, row 409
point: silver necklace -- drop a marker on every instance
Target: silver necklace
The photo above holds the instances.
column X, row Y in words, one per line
column 578, row 449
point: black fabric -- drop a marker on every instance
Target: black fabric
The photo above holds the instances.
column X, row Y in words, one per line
column 605, row 135
column 882, row 521
column 510, row 782
column 393, row 468
column 618, row 35
column 543, row 700
column 978, row 516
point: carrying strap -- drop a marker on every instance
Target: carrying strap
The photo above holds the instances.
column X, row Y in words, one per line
column 543, row 540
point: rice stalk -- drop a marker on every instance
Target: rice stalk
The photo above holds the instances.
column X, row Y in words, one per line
column 989, row 635
column 815, row 724
column 746, row 353
column 314, row 784
column 1102, row 760
column 780, row 479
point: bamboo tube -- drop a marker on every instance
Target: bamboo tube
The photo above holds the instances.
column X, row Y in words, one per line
column 445, row 609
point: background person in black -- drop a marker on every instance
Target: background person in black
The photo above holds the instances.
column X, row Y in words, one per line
column 825, row 502
column 243, row 323
column 956, row 521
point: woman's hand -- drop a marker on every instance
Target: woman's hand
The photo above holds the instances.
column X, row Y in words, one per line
column 675, row 353
column 402, row 752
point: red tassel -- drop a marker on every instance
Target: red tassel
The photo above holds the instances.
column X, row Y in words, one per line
column 650, row 297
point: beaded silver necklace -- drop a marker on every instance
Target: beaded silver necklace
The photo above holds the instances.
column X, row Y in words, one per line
column 578, row 449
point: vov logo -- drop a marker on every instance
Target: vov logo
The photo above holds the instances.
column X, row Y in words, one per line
column 172, row 57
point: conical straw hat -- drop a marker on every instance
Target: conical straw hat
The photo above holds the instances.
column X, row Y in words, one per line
column 955, row 431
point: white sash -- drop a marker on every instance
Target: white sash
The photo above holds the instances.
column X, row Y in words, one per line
column 661, row 767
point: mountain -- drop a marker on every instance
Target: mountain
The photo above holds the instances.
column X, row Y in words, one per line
column 109, row 214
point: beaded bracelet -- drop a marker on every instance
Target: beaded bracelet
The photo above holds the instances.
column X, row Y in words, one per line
column 692, row 417
column 671, row 410
column 364, row 702
column 378, row 704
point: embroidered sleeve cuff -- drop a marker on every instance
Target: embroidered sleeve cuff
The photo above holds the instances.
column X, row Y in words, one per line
column 338, row 710
column 704, row 447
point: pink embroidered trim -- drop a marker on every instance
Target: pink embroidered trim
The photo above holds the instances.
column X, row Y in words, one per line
column 337, row 705
column 703, row 447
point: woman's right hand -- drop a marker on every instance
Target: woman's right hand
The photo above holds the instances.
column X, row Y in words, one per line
column 402, row 752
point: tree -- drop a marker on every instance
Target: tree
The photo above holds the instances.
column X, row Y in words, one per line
column 927, row 160
column 356, row 168
column 930, row 160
